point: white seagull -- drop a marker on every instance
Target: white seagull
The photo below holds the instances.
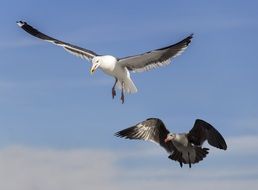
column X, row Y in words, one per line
column 186, row 148
column 118, row 67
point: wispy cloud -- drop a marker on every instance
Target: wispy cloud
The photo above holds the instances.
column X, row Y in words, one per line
column 30, row 169
column 246, row 144
column 27, row 168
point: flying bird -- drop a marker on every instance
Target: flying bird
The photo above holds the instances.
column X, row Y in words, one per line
column 119, row 68
column 186, row 148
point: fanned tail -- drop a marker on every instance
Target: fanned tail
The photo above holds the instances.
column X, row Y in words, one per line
column 200, row 154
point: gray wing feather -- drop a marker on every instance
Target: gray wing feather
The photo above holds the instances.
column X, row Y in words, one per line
column 152, row 129
column 156, row 58
column 202, row 131
column 78, row 51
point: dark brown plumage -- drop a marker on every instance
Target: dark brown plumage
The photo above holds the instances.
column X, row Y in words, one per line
column 186, row 148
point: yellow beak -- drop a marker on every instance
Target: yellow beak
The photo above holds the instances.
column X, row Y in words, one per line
column 93, row 68
column 92, row 71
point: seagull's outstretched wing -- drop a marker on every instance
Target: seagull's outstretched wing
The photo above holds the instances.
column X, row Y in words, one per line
column 78, row 51
column 155, row 58
column 202, row 131
column 152, row 129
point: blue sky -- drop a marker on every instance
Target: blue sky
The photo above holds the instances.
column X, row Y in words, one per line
column 57, row 120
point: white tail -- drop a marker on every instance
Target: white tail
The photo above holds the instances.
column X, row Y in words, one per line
column 129, row 86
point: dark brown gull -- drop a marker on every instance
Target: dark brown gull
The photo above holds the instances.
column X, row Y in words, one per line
column 186, row 148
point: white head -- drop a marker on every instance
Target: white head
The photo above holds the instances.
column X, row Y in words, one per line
column 96, row 62
column 170, row 137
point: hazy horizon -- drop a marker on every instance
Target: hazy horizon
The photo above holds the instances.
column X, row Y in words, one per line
column 58, row 121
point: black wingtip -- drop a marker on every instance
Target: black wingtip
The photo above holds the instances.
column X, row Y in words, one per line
column 117, row 134
column 222, row 143
column 121, row 134
column 30, row 30
column 190, row 36
column 186, row 41
column 189, row 39
column 224, row 146
column 21, row 23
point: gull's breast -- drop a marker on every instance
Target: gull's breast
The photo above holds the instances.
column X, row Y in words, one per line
column 108, row 64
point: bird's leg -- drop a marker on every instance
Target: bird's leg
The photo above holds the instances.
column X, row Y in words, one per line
column 189, row 160
column 122, row 93
column 180, row 159
column 181, row 164
column 114, row 90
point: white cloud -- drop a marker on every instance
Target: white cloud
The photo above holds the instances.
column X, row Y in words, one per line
column 27, row 168
column 32, row 169
column 247, row 144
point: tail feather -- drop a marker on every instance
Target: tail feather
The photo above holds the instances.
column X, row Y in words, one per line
column 129, row 86
column 200, row 154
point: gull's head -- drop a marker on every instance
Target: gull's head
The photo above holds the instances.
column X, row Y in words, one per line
column 170, row 137
column 96, row 62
